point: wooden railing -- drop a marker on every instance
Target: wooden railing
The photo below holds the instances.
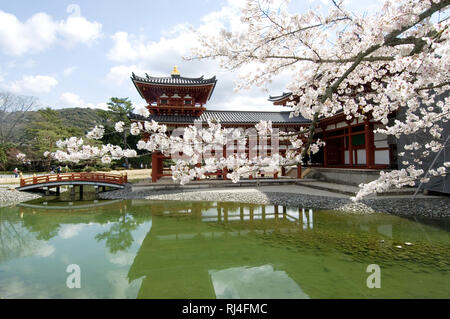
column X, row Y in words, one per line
column 79, row 177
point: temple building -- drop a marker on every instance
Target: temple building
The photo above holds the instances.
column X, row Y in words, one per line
column 178, row 101
column 349, row 143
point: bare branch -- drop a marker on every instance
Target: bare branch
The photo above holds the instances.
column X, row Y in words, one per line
column 12, row 109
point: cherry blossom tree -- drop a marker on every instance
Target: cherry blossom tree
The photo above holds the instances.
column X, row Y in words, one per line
column 193, row 145
column 394, row 60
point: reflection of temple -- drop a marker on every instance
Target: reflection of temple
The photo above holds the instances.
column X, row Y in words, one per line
column 217, row 240
column 65, row 206
column 215, row 250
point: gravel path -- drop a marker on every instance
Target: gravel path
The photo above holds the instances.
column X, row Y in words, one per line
column 11, row 196
column 433, row 207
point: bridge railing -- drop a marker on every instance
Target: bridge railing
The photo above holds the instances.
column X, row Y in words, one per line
column 79, row 177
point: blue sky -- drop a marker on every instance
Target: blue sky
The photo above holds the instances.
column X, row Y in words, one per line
column 82, row 53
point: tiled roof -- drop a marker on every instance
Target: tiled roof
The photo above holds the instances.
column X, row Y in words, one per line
column 173, row 80
column 279, row 97
column 241, row 117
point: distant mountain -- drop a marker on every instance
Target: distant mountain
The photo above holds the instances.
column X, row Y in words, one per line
column 83, row 118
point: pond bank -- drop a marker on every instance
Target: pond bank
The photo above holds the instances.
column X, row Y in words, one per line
column 422, row 206
column 11, row 196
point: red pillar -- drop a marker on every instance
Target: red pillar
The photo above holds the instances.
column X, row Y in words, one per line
column 368, row 134
column 325, row 158
column 225, row 170
column 299, row 171
column 372, row 145
column 154, row 167
column 350, row 145
column 160, row 165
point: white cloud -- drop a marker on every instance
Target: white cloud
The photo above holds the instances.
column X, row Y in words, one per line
column 121, row 73
column 2, row 76
column 228, row 16
column 79, row 30
column 32, row 84
column 69, row 99
column 44, row 250
column 138, row 54
column 122, row 50
column 69, row 231
column 15, row 288
column 119, row 285
column 323, row 1
column 35, row 34
column 139, row 106
column 28, row 64
column 256, row 282
column 121, row 258
column 101, row 105
column 40, row 32
column 246, row 100
column 69, row 70
column 161, row 56
column 175, row 42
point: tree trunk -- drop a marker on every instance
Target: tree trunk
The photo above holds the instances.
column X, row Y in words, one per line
column 311, row 131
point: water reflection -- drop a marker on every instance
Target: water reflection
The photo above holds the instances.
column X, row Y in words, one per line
column 221, row 212
column 252, row 283
column 144, row 249
column 69, row 205
column 64, row 234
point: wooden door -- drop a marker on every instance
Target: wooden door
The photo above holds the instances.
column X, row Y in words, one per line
column 335, row 151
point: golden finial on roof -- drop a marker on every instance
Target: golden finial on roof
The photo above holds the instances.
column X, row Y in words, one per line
column 175, row 71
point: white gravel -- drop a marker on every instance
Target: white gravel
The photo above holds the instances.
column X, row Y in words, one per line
column 10, row 196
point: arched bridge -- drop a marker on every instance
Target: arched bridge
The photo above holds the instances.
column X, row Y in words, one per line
column 56, row 180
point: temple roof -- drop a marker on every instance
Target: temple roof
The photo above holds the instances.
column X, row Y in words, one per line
column 281, row 97
column 151, row 88
column 173, row 80
column 228, row 117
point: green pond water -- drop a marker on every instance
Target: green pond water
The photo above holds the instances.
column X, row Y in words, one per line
column 159, row 249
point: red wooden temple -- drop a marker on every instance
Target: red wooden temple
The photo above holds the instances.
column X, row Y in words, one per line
column 178, row 101
column 349, row 143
